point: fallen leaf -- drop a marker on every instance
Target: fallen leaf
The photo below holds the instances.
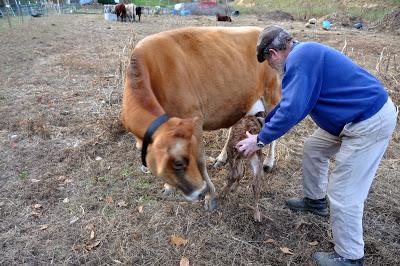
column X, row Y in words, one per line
column 286, row 250
column 37, row 206
column 92, row 234
column 178, row 241
column 314, row 243
column 90, row 227
column 184, row 262
column 140, row 209
column 43, row 226
column 92, row 245
column 121, row 203
column 67, row 181
column 269, row 241
column 76, row 247
column 136, row 236
column 74, row 220
column 62, row 178
column 109, row 199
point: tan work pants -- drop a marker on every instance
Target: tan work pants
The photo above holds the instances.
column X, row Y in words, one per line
column 359, row 150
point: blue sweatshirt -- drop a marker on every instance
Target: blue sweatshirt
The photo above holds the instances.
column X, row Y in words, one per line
column 321, row 81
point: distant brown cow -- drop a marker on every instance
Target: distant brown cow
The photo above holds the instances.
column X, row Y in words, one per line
column 120, row 11
column 223, row 18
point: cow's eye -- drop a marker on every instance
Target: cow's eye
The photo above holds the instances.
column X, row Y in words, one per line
column 179, row 164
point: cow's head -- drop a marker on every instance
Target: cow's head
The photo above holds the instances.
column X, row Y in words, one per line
column 173, row 156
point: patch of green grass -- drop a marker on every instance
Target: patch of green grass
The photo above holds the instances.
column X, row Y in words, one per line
column 126, row 172
column 152, row 2
column 147, row 200
column 109, row 211
column 23, row 175
column 318, row 8
column 100, row 179
column 141, row 183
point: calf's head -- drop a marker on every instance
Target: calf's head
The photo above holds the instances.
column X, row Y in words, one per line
column 173, row 155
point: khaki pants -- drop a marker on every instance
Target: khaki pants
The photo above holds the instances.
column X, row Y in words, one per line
column 359, row 150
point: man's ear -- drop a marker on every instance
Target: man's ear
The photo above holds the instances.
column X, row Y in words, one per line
column 273, row 53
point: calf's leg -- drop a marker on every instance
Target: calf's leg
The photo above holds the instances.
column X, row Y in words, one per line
column 257, row 167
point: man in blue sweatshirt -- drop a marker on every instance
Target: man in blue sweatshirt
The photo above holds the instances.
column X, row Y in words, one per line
column 356, row 119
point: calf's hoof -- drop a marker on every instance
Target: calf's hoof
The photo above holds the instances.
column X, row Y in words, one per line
column 257, row 217
column 144, row 169
column 210, row 204
column 267, row 168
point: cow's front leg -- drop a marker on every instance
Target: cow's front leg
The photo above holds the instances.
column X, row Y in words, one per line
column 222, row 157
column 210, row 200
column 269, row 161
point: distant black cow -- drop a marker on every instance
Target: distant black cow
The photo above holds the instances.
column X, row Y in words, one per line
column 138, row 11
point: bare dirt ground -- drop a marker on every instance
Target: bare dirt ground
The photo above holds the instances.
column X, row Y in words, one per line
column 71, row 191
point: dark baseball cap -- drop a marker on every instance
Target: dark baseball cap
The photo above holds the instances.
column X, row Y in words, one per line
column 266, row 41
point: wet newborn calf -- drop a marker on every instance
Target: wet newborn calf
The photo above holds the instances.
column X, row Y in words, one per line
column 236, row 161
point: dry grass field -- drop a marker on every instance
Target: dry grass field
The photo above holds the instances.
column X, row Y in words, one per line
column 72, row 193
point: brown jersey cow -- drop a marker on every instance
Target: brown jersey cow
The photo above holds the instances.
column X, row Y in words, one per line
column 203, row 78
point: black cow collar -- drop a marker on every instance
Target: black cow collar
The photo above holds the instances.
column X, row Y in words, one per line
column 149, row 133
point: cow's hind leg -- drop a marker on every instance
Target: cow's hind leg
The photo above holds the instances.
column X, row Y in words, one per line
column 269, row 161
column 221, row 159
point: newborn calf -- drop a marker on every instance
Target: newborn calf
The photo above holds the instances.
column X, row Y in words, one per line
column 236, row 161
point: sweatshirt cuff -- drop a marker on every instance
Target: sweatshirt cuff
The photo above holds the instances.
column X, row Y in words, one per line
column 264, row 137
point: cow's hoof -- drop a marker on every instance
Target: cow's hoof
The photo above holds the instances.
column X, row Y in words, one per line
column 267, row 168
column 257, row 217
column 144, row 169
column 210, row 204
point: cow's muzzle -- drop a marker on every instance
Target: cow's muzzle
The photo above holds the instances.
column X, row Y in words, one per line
column 197, row 194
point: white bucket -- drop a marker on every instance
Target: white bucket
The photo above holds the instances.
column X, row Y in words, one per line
column 110, row 17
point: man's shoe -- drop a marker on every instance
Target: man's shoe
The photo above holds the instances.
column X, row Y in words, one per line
column 319, row 206
column 334, row 259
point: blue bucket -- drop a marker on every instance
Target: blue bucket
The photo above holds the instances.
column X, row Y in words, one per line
column 326, row 24
column 185, row 12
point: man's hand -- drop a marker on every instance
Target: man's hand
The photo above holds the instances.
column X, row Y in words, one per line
column 248, row 146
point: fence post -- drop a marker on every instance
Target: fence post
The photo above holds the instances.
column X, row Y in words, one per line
column 59, row 10
column 20, row 11
column 8, row 14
